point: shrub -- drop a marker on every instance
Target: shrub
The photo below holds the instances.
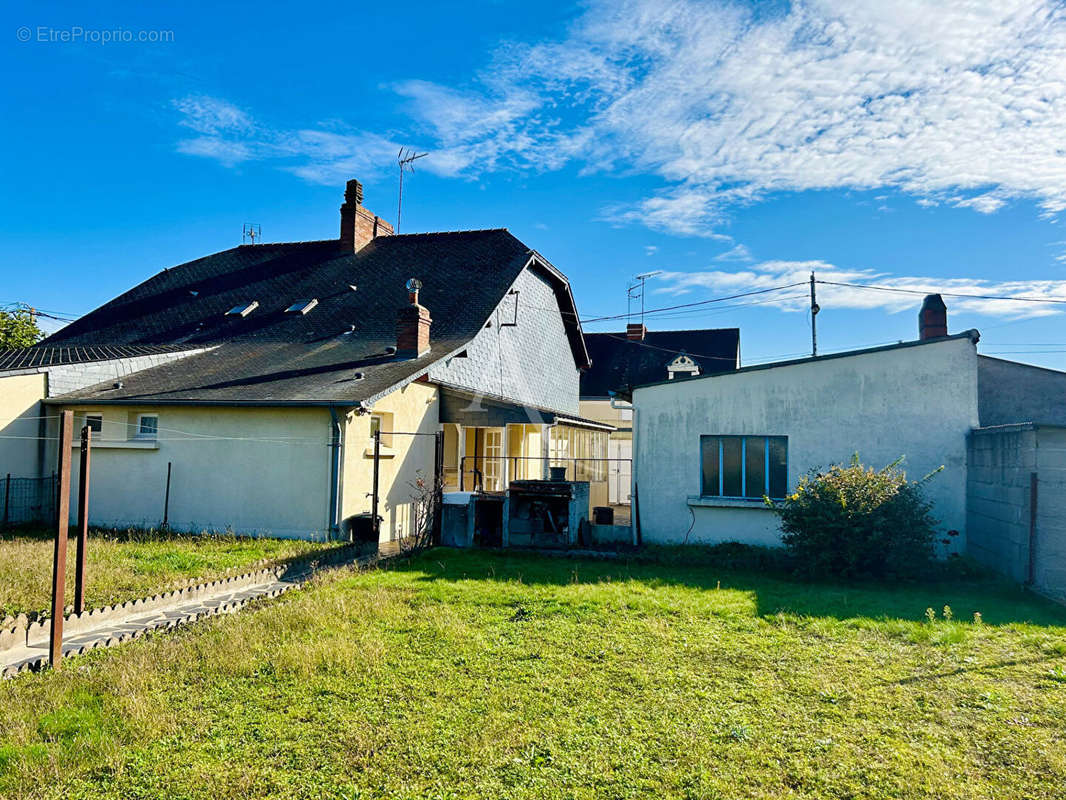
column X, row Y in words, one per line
column 854, row 521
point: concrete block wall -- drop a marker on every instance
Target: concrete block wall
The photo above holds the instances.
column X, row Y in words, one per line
column 1000, row 462
column 1050, row 557
column 530, row 363
column 999, row 509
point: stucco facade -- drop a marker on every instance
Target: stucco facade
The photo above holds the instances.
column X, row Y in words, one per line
column 919, row 402
column 20, row 409
column 404, row 458
column 249, row 470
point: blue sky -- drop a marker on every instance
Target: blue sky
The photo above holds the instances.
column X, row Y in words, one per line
column 731, row 146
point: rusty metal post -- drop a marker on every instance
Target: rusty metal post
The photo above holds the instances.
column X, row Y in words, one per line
column 59, row 563
column 374, row 502
column 83, row 521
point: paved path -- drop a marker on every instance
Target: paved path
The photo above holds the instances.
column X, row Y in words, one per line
column 120, row 625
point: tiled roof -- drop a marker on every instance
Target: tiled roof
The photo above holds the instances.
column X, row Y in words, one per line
column 53, row 356
column 273, row 356
column 618, row 363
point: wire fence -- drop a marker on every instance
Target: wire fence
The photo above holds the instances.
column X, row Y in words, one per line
column 24, row 501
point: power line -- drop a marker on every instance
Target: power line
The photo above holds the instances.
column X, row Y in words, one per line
column 946, row 294
column 698, row 302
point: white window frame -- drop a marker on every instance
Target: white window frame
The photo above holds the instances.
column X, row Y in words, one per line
column 139, row 434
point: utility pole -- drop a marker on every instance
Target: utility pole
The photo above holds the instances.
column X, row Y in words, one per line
column 814, row 318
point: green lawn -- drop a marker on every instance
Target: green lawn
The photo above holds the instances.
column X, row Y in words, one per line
column 125, row 566
column 466, row 674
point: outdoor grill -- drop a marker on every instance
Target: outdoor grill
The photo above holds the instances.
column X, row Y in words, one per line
column 547, row 513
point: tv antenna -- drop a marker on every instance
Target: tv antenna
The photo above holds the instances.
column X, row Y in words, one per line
column 636, row 289
column 251, row 232
column 405, row 159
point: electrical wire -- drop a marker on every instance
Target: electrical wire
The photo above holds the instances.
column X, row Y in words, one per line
column 945, row 294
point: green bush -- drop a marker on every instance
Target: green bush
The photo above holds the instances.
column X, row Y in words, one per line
column 854, row 521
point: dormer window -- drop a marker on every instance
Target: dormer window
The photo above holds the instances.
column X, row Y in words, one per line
column 301, row 306
column 243, row 310
column 683, row 366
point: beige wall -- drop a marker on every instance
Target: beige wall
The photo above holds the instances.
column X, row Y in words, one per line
column 601, row 411
column 249, row 470
column 20, row 406
column 414, row 408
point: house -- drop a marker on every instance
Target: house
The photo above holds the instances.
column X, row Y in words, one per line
column 709, row 448
column 241, row 390
column 638, row 356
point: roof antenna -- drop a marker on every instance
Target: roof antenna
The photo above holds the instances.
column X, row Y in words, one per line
column 405, row 159
column 636, row 289
column 251, row 232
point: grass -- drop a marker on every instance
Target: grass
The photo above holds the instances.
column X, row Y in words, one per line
column 125, row 566
column 467, row 674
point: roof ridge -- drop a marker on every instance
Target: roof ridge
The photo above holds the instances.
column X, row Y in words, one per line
column 445, row 233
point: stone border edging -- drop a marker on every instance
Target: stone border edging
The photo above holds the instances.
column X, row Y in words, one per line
column 23, row 632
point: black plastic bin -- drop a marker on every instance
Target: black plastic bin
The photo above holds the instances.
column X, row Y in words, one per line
column 603, row 515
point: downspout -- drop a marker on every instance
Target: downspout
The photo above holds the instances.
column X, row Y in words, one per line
column 336, row 449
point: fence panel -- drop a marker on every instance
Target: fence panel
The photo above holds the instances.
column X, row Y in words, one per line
column 25, row 501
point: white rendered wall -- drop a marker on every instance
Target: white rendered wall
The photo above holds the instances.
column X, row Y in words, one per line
column 919, row 402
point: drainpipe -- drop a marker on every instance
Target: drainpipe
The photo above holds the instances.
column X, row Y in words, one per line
column 336, row 449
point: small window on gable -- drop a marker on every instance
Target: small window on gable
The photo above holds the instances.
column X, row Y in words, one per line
column 382, row 423
column 95, row 422
column 147, row 426
column 243, row 310
column 301, row 306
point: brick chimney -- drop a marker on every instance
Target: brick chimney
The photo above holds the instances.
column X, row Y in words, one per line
column 933, row 318
column 635, row 332
column 412, row 325
column 358, row 224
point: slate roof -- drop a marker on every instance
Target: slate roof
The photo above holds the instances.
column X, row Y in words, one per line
column 48, row 356
column 273, row 356
column 618, row 364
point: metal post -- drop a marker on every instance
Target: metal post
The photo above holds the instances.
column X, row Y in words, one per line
column 59, row 562
column 814, row 319
column 374, row 501
column 438, row 486
column 166, row 498
column 7, row 499
column 83, row 521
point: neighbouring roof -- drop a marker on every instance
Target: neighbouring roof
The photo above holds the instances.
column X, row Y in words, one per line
column 49, row 356
column 273, row 356
column 618, row 363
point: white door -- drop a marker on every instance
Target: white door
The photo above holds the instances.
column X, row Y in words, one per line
column 493, row 460
column 619, row 473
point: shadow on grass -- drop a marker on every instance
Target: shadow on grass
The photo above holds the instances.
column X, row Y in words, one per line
column 773, row 590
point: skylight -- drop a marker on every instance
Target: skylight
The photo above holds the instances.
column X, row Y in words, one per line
column 301, row 306
column 243, row 310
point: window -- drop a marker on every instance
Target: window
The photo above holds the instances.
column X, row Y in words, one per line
column 243, row 310
column 95, row 422
column 746, row 467
column 147, row 426
column 301, row 306
column 382, row 423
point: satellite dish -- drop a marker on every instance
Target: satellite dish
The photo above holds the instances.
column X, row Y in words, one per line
column 413, row 285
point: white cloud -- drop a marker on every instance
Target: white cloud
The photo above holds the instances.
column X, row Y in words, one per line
column 769, row 274
column 954, row 103
column 650, row 250
column 231, row 136
column 738, row 253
